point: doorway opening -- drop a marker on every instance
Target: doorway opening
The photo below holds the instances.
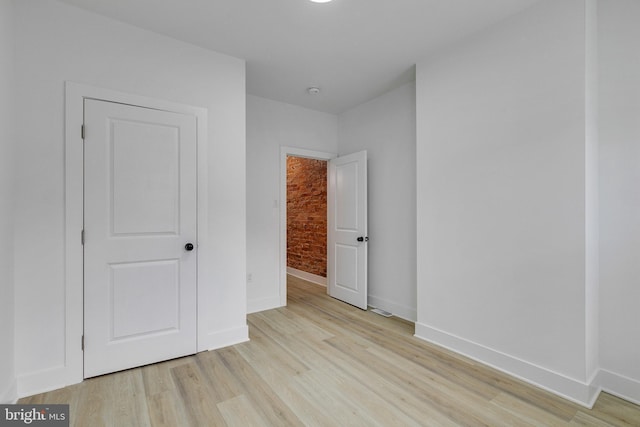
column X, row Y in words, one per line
column 307, row 219
column 297, row 153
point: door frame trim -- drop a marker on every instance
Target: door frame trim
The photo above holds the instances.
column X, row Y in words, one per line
column 75, row 94
column 284, row 153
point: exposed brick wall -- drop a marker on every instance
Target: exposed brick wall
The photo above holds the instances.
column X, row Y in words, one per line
column 307, row 215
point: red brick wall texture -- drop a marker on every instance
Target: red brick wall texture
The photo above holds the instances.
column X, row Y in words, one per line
column 307, row 215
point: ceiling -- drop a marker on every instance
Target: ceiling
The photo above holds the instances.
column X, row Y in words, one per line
column 354, row 50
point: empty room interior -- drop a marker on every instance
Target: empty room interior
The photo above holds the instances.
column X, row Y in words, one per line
column 201, row 203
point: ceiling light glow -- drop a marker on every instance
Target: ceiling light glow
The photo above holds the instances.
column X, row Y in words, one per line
column 321, row 1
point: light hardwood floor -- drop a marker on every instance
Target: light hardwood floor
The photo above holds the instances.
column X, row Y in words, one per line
column 319, row 362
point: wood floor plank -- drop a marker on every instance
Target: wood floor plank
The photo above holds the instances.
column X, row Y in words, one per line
column 157, row 377
column 268, row 404
column 443, row 362
column 526, row 412
column 319, row 358
column 359, row 390
column 165, row 410
column 112, row 400
column 312, row 329
column 449, row 396
column 200, row 407
column 615, row 411
column 320, row 362
column 281, row 384
column 582, row 419
column 312, row 386
column 91, row 403
column 270, row 360
column 222, row 383
column 130, row 404
column 240, row 412
column 325, row 392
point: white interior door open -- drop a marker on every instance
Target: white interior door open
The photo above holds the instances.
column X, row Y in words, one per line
column 347, row 229
column 139, row 236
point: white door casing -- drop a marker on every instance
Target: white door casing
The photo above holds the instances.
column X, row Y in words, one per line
column 347, row 229
column 139, row 213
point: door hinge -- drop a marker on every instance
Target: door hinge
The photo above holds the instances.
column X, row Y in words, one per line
column 82, row 132
column 82, row 237
column 82, row 343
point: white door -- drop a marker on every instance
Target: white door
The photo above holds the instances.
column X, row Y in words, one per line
column 347, row 229
column 139, row 220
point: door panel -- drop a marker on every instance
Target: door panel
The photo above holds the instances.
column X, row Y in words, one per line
column 346, row 222
column 346, row 180
column 135, row 285
column 140, row 211
column 146, row 189
column 346, row 267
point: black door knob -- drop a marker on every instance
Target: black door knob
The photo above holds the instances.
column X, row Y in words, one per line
column 189, row 246
column 362, row 239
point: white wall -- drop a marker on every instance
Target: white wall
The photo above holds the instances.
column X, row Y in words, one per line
column 385, row 127
column 7, row 160
column 271, row 125
column 502, row 209
column 620, row 195
column 54, row 43
column 592, row 192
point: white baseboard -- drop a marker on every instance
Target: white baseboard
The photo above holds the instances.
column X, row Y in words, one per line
column 10, row 395
column 225, row 338
column 584, row 394
column 623, row 387
column 309, row 277
column 397, row 310
column 262, row 304
column 44, row 381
